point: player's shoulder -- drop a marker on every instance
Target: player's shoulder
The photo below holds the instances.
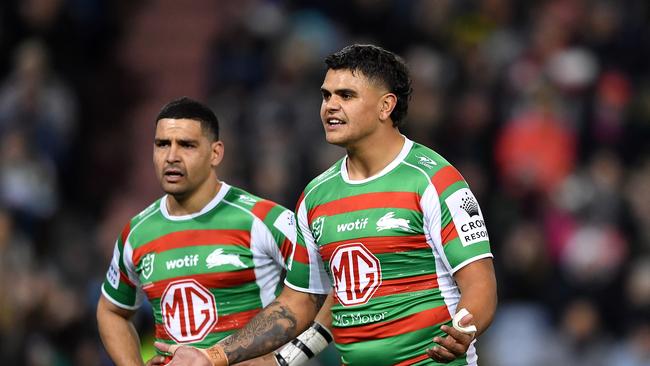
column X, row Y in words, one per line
column 426, row 160
column 325, row 177
column 257, row 206
column 141, row 218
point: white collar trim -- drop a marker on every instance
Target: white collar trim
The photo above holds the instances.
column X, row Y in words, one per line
column 209, row 206
column 408, row 144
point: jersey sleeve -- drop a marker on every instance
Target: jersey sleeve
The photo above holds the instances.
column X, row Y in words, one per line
column 454, row 220
column 121, row 285
column 281, row 225
column 305, row 270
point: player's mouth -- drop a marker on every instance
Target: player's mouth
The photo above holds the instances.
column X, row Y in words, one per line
column 173, row 175
column 334, row 123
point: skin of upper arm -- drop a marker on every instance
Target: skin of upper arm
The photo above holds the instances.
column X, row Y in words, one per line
column 478, row 289
column 104, row 306
column 302, row 304
column 324, row 316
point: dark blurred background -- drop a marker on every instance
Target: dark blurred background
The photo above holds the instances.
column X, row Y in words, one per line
column 544, row 106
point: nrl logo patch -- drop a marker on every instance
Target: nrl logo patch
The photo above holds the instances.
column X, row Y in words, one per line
column 317, row 227
column 146, row 265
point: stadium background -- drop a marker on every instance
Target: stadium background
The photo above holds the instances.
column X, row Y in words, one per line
column 543, row 105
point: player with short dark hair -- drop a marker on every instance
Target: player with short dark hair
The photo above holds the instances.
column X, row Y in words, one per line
column 392, row 228
column 208, row 256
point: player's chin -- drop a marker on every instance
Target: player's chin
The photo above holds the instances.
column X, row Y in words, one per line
column 174, row 189
column 335, row 139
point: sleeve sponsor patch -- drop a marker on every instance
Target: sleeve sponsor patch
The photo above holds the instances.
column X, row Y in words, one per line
column 113, row 274
column 467, row 217
column 286, row 223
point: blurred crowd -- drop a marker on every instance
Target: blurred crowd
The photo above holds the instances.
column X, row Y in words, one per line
column 544, row 106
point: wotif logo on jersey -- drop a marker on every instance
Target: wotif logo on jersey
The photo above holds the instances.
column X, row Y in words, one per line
column 359, row 224
column 467, row 217
column 188, row 311
column 187, row 261
column 356, row 273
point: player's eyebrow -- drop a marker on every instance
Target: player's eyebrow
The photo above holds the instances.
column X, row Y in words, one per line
column 179, row 141
column 345, row 91
column 342, row 91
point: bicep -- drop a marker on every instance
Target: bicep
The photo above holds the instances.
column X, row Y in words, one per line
column 479, row 272
column 478, row 291
column 304, row 306
column 324, row 316
column 106, row 308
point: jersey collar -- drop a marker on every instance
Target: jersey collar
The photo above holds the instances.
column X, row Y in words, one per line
column 209, row 206
column 408, row 144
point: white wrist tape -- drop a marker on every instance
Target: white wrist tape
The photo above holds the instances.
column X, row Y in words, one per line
column 456, row 322
column 308, row 344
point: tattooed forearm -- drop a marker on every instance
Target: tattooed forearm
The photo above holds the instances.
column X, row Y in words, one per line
column 275, row 326
column 318, row 300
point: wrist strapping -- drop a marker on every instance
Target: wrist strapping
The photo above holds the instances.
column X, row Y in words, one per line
column 217, row 355
column 308, row 344
column 469, row 329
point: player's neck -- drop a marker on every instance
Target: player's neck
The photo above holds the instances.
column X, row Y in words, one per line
column 370, row 156
column 195, row 202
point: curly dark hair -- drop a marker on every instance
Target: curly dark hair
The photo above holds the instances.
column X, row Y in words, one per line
column 185, row 107
column 379, row 65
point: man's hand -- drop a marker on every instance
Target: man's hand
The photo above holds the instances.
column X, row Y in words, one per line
column 157, row 360
column 184, row 355
column 454, row 345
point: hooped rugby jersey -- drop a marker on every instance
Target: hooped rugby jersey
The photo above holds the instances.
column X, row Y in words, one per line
column 206, row 274
column 389, row 246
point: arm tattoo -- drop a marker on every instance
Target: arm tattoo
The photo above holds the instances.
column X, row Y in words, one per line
column 318, row 300
column 272, row 328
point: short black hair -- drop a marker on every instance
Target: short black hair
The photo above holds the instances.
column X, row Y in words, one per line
column 378, row 65
column 186, row 108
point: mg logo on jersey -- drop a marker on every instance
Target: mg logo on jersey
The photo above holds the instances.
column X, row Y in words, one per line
column 146, row 266
column 356, row 272
column 188, row 311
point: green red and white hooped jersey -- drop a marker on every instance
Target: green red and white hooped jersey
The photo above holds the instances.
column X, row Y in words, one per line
column 206, row 274
column 389, row 246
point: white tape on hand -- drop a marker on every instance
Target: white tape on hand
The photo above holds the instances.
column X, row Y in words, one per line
column 456, row 322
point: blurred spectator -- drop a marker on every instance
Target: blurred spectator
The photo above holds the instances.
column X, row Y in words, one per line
column 581, row 340
column 535, row 152
column 35, row 101
column 28, row 184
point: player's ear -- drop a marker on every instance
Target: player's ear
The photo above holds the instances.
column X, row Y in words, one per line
column 217, row 151
column 386, row 105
